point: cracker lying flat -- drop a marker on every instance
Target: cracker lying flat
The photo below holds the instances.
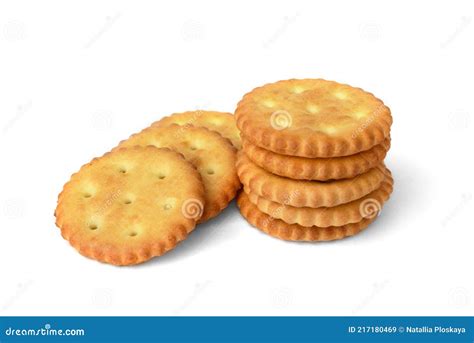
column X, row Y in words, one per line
column 305, row 193
column 221, row 122
column 212, row 155
column 294, row 232
column 313, row 118
column 352, row 212
column 321, row 169
column 130, row 205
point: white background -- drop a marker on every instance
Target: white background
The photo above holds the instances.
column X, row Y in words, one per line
column 77, row 77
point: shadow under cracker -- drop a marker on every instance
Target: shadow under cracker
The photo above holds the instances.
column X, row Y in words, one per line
column 199, row 239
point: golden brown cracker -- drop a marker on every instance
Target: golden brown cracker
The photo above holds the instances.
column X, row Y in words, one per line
column 212, row 155
column 294, row 232
column 304, row 193
column 321, row 169
column 130, row 205
column 352, row 212
column 313, row 118
column 222, row 122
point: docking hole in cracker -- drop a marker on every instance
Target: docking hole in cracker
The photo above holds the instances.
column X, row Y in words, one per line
column 313, row 118
column 118, row 210
column 212, row 155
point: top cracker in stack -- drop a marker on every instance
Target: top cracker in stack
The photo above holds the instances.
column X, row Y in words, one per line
column 313, row 118
column 313, row 151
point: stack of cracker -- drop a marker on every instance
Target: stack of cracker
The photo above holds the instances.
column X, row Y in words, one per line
column 312, row 159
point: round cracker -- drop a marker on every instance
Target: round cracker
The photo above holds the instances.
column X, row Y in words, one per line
column 304, row 193
column 294, row 232
column 321, row 169
column 222, row 122
column 313, row 118
column 212, row 155
column 130, row 205
column 352, row 212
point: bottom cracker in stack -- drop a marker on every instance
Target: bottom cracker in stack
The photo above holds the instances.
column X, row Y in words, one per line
column 302, row 210
column 294, row 232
